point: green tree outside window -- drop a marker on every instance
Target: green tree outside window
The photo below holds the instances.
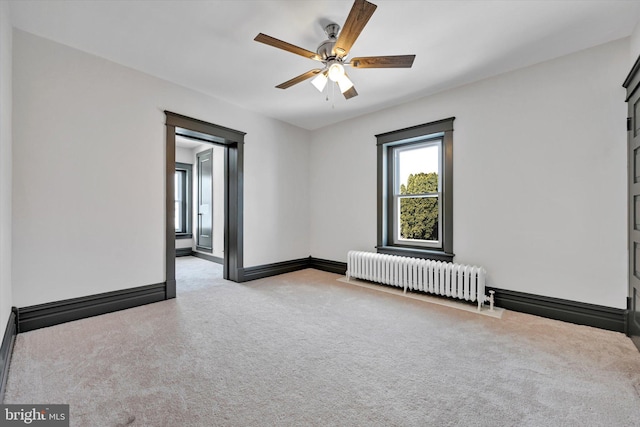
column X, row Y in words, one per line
column 419, row 215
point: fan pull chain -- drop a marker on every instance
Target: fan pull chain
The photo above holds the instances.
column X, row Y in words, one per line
column 333, row 96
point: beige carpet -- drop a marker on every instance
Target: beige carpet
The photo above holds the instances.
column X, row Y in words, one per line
column 304, row 349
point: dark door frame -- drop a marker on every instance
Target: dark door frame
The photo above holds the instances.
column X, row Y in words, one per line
column 233, row 141
column 632, row 84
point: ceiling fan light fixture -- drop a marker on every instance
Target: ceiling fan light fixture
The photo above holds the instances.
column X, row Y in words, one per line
column 320, row 81
column 344, row 83
column 333, row 53
column 336, row 71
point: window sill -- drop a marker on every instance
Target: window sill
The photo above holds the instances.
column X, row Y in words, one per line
column 416, row 253
column 183, row 236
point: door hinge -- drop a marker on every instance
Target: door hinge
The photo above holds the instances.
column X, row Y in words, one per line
column 629, row 127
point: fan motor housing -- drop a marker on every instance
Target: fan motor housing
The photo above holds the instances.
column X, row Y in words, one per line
column 325, row 50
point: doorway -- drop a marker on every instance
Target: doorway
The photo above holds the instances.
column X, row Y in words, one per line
column 199, row 195
column 233, row 143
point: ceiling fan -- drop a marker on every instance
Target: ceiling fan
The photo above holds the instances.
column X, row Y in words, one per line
column 332, row 53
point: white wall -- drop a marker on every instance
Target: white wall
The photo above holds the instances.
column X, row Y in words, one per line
column 184, row 155
column 87, row 219
column 539, row 176
column 5, row 165
column 634, row 45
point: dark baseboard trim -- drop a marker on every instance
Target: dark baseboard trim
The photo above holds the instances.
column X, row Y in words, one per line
column 268, row 270
column 49, row 314
column 328, row 265
column 6, row 349
column 598, row 316
column 183, row 252
column 208, row 257
column 53, row 313
column 613, row 319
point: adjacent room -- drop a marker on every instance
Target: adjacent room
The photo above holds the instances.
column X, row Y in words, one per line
column 266, row 212
column 199, row 199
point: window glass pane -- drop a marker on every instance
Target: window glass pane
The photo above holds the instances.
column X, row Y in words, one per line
column 178, row 216
column 418, row 218
column 417, row 169
column 179, row 189
column 182, row 198
column 417, row 173
column 178, row 184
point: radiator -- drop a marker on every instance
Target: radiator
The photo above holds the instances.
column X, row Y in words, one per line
column 448, row 279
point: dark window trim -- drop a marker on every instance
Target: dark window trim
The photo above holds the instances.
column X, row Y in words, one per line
column 385, row 143
column 437, row 138
column 187, row 203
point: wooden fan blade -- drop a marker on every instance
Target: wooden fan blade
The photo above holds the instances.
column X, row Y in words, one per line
column 398, row 61
column 272, row 41
column 298, row 79
column 350, row 93
column 358, row 17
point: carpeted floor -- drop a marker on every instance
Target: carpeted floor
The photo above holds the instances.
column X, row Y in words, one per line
column 303, row 349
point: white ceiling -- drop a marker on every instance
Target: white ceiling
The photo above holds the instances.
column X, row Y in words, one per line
column 208, row 45
column 188, row 143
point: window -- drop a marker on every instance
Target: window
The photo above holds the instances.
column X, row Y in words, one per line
column 183, row 200
column 415, row 193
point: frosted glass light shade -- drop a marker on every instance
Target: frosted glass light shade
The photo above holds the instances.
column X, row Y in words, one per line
column 336, row 71
column 345, row 83
column 319, row 81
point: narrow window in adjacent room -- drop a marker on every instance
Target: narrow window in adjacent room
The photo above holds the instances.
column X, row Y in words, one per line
column 183, row 200
column 415, row 191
